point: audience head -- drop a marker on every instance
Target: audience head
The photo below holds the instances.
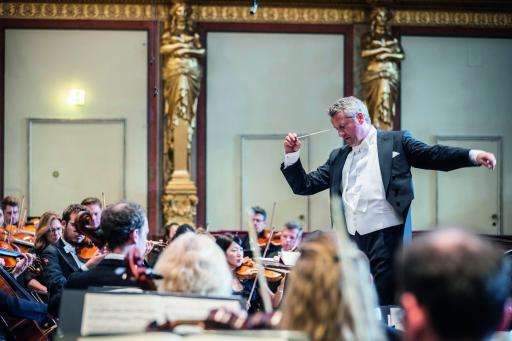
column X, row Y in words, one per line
column 193, row 264
column 314, row 301
column 70, row 233
column 290, row 236
column 124, row 226
column 259, row 218
column 232, row 248
column 182, row 229
column 95, row 207
column 10, row 207
column 170, row 230
column 48, row 231
column 453, row 287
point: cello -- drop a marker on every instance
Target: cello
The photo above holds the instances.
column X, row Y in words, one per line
column 21, row 328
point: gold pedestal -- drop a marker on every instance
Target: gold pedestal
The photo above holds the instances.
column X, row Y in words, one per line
column 180, row 199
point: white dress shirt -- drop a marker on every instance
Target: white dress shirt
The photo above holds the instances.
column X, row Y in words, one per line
column 68, row 248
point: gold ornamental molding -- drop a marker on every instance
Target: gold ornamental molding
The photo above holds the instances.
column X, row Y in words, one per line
column 240, row 14
column 451, row 18
column 75, row 11
column 288, row 15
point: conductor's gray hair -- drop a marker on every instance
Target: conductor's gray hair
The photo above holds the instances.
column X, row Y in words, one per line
column 350, row 106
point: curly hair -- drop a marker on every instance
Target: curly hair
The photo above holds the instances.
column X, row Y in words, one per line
column 42, row 228
column 194, row 264
column 314, row 300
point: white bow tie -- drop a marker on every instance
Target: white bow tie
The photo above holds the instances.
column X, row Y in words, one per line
column 69, row 248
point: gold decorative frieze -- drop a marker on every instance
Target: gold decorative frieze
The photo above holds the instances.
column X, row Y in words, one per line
column 289, row 15
column 70, row 11
column 451, row 18
column 240, row 14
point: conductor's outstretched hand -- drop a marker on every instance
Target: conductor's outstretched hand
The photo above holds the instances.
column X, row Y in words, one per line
column 486, row 159
column 291, row 143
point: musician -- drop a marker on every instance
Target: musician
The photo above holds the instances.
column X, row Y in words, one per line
column 454, row 286
column 62, row 257
column 259, row 220
column 20, row 307
column 290, row 238
column 193, row 264
column 170, row 231
column 94, row 206
column 10, row 207
column 48, row 232
column 315, row 301
column 182, row 229
column 234, row 255
column 124, row 226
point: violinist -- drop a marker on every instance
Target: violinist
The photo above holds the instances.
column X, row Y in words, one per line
column 244, row 287
column 193, row 264
column 62, row 256
column 94, row 206
column 10, row 207
column 170, row 231
column 48, row 232
column 20, row 307
column 125, row 227
column 290, row 238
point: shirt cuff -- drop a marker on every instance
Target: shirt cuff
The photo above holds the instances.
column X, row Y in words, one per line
column 472, row 156
column 85, row 268
column 291, row 158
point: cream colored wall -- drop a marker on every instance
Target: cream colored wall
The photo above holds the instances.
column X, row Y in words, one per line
column 267, row 84
column 40, row 68
column 457, row 86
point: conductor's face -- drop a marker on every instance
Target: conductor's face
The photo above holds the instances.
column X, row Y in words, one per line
column 351, row 129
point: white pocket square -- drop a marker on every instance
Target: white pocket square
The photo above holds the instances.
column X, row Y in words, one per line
column 395, row 154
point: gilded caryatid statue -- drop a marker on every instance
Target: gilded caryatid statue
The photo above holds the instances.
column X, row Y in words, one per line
column 381, row 76
column 181, row 48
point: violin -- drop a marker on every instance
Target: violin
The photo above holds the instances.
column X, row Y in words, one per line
column 94, row 238
column 223, row 319
column 10, row 259
column 248, row 270
column 136, row 271
column 264, row 239
column 24, row 240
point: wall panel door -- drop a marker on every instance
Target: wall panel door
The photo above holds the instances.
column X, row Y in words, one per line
column 72, row 159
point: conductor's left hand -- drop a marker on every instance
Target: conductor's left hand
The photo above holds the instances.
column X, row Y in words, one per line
column 486, row 159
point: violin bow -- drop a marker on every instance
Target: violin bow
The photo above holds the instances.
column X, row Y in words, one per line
column 272, row 229
column 9, row 233
column 20, row 219
column 265, row 296
column 103, row 201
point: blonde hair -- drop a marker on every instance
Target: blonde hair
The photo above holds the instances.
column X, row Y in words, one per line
column 42, row 228
column 314, row 300
column 194, row 264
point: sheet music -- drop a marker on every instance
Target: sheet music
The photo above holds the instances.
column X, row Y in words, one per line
column 116, row 314
column 106, row 313
column 186, row 308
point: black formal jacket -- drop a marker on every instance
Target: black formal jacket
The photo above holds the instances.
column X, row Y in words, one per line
column 103, row 274
column 398, row 151
column 60, row 265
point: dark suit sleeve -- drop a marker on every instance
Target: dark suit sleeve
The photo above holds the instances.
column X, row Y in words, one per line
column 53, row 274
column 310, row 183
column 436, row 157
column 22, row 308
